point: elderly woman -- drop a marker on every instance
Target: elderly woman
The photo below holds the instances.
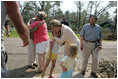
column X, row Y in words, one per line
column 67, row 34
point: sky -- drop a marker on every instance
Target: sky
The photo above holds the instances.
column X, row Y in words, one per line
column 71, row 6
column 68, row 5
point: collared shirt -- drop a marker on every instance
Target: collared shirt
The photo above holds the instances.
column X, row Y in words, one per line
column 91, row 33
column 68, row 36
column 41, row 34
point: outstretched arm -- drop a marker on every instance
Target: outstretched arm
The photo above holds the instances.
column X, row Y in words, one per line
column 39, row 24
column 15, row 15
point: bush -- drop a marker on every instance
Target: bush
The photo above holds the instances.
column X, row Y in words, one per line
column 111, row 36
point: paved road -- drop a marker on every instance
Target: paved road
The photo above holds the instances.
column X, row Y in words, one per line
column 17, row 58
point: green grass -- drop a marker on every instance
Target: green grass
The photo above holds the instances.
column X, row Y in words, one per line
column 50, row 35
column 78, row 35
column 14, row 34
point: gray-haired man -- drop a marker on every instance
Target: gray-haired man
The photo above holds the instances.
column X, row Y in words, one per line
column 90, row 41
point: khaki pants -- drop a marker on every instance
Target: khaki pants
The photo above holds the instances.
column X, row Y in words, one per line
column 31, row 53
column 89, row 48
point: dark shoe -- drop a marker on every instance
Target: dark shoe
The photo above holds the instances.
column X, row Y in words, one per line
column 50, row 77
column 35, row 65
column 83, row 72
column 94, row 74
column 31, row 66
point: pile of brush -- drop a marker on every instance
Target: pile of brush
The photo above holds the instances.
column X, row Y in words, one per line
column 107, row 69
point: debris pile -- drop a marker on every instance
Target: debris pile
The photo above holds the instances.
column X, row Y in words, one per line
column 107, row 69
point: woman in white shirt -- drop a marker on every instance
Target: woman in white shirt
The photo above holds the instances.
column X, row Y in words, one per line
column 67, row 34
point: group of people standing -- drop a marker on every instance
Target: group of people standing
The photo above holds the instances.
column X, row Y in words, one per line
column 39, row 43
column 90, row 42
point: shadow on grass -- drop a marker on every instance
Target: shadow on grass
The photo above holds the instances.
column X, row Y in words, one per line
column 23, row 72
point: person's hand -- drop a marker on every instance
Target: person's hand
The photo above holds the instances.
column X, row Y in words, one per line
column 100, row 47
column 25, row 43
column 59, row 34
column 25, row 37
column 81, row 47
column 8, row 34
column 39, row 24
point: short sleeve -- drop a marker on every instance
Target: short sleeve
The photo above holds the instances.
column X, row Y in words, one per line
column 64, row 59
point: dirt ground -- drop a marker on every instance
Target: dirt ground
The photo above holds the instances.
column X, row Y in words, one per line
column 17, row 58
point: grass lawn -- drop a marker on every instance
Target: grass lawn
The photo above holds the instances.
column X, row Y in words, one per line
column 14, row 34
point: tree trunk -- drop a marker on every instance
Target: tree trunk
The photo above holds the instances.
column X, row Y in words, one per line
column 86, row 14
column 79, row 14
column 115, row 27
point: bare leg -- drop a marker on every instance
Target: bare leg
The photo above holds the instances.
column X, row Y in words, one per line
column 40, row 61
column 34, row 55
column 45, row 67
column 52, row 68
column 43, row 63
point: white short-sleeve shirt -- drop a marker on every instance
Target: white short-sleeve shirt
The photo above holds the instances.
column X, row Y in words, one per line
column 68, row 62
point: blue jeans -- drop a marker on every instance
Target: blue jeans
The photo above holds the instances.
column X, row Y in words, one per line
column 67, row 74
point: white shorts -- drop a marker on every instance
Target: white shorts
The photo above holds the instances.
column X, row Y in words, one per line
column 42, row 47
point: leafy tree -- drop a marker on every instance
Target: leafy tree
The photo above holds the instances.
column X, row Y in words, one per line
column 30, row 8
column 103, row 18
column 27, row 10
column 67, row 15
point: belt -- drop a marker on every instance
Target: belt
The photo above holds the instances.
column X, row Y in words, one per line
column 90, row 41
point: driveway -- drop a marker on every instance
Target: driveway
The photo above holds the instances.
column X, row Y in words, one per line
column 17, row 58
